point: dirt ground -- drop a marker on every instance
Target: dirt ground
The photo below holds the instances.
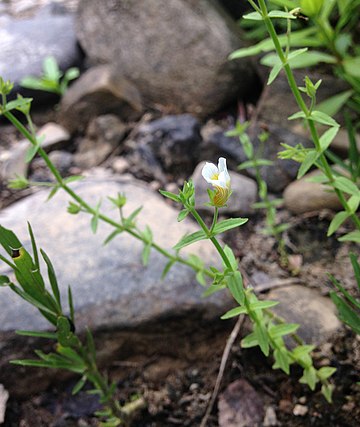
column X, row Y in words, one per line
column 177, row 384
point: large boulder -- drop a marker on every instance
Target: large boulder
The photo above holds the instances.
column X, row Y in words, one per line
column 111, row 287
column 174, row 51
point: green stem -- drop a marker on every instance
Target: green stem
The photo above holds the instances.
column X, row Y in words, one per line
column 213, row 239
column 215, row 218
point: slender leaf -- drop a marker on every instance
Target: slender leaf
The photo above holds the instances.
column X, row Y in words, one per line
column 345, row 184
column 278, row 331
column 346, row 313
column 310, row 159
column 353, row 236
column 189, row 239
column 325, row 119
column 79, row 385
column 249, row 341
column 234, row 312
column 236, row 287
column 171, row 196
column 335, row 223
column 48, row 335
column 261, row 305
column 327, row 137
column 52, row 278
column 228, row 224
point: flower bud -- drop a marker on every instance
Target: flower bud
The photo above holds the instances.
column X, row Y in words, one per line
column 311, row 7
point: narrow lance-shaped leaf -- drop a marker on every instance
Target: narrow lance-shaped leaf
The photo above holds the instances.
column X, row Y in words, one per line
column 335, row 223
column 236, row 287
column 190, row 238
column 228, row 224
column 48, row 335
column 52, row 278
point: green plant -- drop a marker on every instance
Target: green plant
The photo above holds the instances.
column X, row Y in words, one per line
column 52, row 80
column 71, row 352
column 325, row 35
column 346, row 188
column 268, row 204
column 348, row 306
column 268, row 329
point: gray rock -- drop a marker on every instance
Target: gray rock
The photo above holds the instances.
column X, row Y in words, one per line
column 240, row 405
column 25, row 43
column 54, row 136
column 12, row 161
column 175, row 51
column 315, row 313
column 303, row 196
column 4, row 396
column 103, row 136
column 98, row 91
column 244, row 193
column 111, row 287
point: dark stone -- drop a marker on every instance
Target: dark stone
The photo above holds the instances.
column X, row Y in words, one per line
column 172, row 143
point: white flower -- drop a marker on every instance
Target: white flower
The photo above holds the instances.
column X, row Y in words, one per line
column 219, row 178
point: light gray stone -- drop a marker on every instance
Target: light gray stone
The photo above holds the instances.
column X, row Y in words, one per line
column 111, row 287
column 244, row 193
column 303, row 196
column 174, row 51
column 98, row 91
column 12, row 162
column 315, row 314
column 54, row 136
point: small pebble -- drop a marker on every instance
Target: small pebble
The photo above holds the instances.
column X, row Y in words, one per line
column 285, row 406
column 120, row 165
column 194, row 386
column 302, row 399
column 300, row 410
column 4, row 395
column 270, row 417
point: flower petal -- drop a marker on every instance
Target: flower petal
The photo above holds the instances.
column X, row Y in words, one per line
column 209, row 171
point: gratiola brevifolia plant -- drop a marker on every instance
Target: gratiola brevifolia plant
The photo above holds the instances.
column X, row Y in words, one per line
column 346, row 188
column 268, row 329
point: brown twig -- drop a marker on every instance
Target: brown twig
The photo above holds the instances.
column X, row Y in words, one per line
column 230, row 341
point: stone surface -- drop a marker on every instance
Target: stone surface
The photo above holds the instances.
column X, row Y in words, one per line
column 111, row 287
column 104, row 135
column 12, row 162
column 99, row 91
column 277, row 176
column 4, row 396
column 315, row 314
column 175, row 51
column 25, row 43
column 240, row 406
column 244, row 193
column 172, row 143
column 54, row 136
column 303, row 196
